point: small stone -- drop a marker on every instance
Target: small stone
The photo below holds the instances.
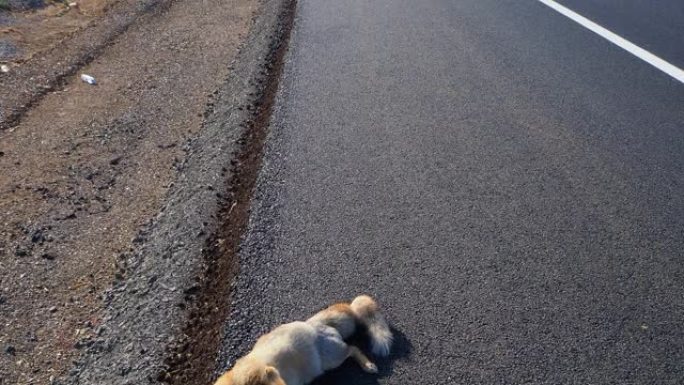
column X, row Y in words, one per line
column 82, row 343
column 124, row 370
column 20, row 252
column 116, row 160
column 72, row 215
column 48, row 256
column 4, row 68
column 31, row 337
column 38, row 236
column 11, row 350
column 53, row 309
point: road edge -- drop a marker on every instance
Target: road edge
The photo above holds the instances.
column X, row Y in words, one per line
column 184, row 261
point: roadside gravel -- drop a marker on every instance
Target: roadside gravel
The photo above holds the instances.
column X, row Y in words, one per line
column 112, row 196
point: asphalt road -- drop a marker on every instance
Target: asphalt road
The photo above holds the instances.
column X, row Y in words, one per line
column 657, row 26
column 509, row 185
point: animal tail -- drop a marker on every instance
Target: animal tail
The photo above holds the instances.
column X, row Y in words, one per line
column 367, row 312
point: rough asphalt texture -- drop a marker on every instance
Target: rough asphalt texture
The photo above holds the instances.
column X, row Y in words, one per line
column 506, row 183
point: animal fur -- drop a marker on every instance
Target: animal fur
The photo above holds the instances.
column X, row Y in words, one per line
column 297, row 352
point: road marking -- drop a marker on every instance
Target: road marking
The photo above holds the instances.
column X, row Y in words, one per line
column 628, row 46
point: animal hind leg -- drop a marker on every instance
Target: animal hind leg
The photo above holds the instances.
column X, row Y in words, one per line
column 362, row 360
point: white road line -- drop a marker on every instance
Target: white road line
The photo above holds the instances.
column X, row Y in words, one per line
column 628, row 46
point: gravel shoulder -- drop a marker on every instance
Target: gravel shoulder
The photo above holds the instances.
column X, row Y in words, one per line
column 117, row 198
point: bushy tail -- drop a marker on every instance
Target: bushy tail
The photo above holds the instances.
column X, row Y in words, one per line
column 367, row 312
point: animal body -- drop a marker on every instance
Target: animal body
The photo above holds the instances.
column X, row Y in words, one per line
column 297, row 352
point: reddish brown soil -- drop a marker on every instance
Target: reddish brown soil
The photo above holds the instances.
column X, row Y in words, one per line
column 88, row 165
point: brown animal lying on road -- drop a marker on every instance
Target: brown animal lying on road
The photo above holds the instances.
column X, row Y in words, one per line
column 297, row 352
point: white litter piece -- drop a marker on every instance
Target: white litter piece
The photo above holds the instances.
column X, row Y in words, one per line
column 4, row 68
column 88, row 79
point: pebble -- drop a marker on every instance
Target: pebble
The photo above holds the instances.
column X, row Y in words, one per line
column 116, row 160
column 38, row 236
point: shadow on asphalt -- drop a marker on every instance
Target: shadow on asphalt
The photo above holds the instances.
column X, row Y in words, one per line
column 350, row 372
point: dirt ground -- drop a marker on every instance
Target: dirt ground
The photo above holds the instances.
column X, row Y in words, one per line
column 87, row 166
column 29, row 32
